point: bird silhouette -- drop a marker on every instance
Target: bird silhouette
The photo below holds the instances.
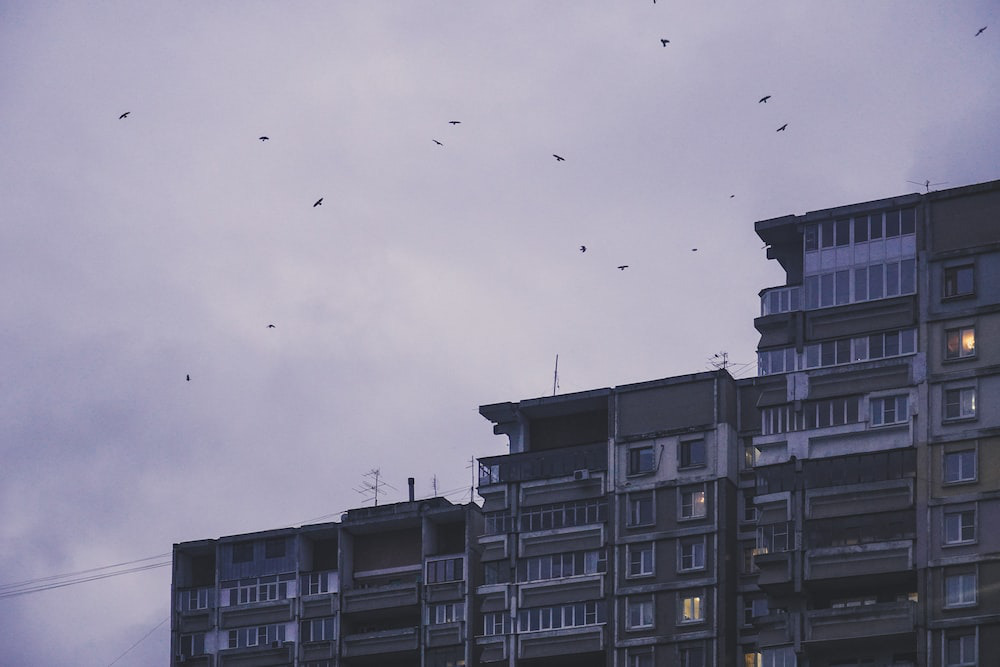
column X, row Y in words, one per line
column 454, row 122
column 583, row 248
column 188, row 378
column 437, row 142
column 558, row 159
column 319, row 202
column 782, row 128
column 664, row 41
column 980, row 31
column 623, row 267
column 731, row 196
column 270, row 326
column 694, row 250
column 125, row 115
column 264, row 138
column 764, row 99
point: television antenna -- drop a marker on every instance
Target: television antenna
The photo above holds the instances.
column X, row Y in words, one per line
column 927, row 185
column 719, row 361
column 372, row 485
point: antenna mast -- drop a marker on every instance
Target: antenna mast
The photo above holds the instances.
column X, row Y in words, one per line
column 555, row 377
column 373, row 485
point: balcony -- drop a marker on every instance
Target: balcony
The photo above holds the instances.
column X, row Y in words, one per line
column 276, row 654
column 777, row 300
column 545, row 464
column 774, row 571
column 873, row 561
column 567, row 641
column 380, row 598
column 382, row 642
column 445, row 634
column 880, row 621
column 772, row 630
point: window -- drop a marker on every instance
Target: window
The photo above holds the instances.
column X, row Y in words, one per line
column 641, row 459
column 692, row 503
column 754, row 608
column 261, row 635
column 496, row 572
column 578, row 513
column 959, row 281
column 960, row 466
column 960, row 527
column 960, row 648
column 691, row 610
column 778, row 657
column 562, row 616
column 243, row 552
column 446, row 569
column 196, row 598
column 496, row 623
column 558, row 566
column 960, row 590
column 960, row 343
column 692, row 656
column 497, row 523
column 449, row 612
column 692, row 453
column 315, row 583
column 192, row 644
column 640, row 559
column 640, row 614
column 641, row 658
column 889, row 410
column 692, row 553
column 258, row 589
column 640, row 510
column 960, row 403
column 318, row 630
column 772, row 538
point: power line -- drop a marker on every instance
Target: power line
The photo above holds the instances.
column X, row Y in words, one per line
column 51, row 582
column 139, row 642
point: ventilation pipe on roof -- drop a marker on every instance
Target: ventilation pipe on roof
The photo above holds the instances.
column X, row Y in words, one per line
column 409, row 480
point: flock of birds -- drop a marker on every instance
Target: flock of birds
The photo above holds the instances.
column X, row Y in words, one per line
column 621, row 267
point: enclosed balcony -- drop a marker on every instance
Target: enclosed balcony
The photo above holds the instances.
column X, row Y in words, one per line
column 575, row 462
column 373, row 599
column 380, row 643
column 882, row 621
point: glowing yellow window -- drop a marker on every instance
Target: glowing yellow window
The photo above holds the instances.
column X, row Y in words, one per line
column 960, row 343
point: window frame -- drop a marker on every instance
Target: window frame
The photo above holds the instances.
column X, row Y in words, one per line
column 951, row 281
column 698, row 558
column 959, row 635
column 636, row 458
column 960, row 393
column 963, row 599
column 974, row 452
column 879, row 407
column 959, row 515
column 699, row 605
column 640, row 549
column 685, row 454
column 646, row 605
column 685, row 509
column 634, row 506
column 959, row 338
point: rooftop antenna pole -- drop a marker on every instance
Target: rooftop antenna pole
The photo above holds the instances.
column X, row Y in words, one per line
column 472, row 487
column 720, row 360
column 555, row 377
column 374, row 485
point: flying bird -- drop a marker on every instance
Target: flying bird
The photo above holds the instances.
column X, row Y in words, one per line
column 319, row 202
column 664, row 41
column 270, row 326
column 782, row 128
column 188, row 378
column 125, row 115
column 583, row 248
column 980, row 31
column 454, row 122
column 437, row 142
column 694, row 250
column 764, row 99
column 264, row 138
column 558, row 159
column 623, row 267
column 731, row 196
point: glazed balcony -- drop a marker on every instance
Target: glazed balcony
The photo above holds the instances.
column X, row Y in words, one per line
column 382, row 642
column 881, row 621
column 576, row 462
column 380, row 598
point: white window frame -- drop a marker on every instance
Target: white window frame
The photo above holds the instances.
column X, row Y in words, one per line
column 646, row 609
column 961, row 479
column 646, row 552
column 696, row 601
column 697, row 554
column 958, row 527
column 688, row 510
column 964, row 660
column 897, row 405
column 966, row 402
column 634, row 505
column 965, row 596
column 959, row 334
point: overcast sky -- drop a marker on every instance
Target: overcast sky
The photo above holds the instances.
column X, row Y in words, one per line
column 433, row 278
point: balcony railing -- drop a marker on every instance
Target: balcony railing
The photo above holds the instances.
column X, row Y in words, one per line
column 543, row 465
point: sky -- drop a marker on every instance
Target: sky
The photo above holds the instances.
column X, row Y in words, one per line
column 433, row 278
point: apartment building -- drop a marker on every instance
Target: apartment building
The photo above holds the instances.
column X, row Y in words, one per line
column 608, row 527
column 387, row 585
column 873, row 465
column 840, row 509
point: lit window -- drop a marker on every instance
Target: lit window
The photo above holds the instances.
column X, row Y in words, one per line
column 960, row 466
column 640, row 559
column 692, row 453
column 960, row 343
column 692, row 554
column 640, row 510
column 691, row 609
column 640, row 614
column 960, row 527
column 889, row 410
column 960, row 590
column 640, row 460
column 960, row 403
column 960, row 649
column 692, row 503
column 959, row 281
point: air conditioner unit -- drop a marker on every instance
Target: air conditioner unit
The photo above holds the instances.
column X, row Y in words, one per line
column 581, row 474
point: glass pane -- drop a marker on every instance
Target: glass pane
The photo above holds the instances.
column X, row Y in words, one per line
column 861, row 229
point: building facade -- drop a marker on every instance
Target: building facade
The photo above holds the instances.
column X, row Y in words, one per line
column 840, row 509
